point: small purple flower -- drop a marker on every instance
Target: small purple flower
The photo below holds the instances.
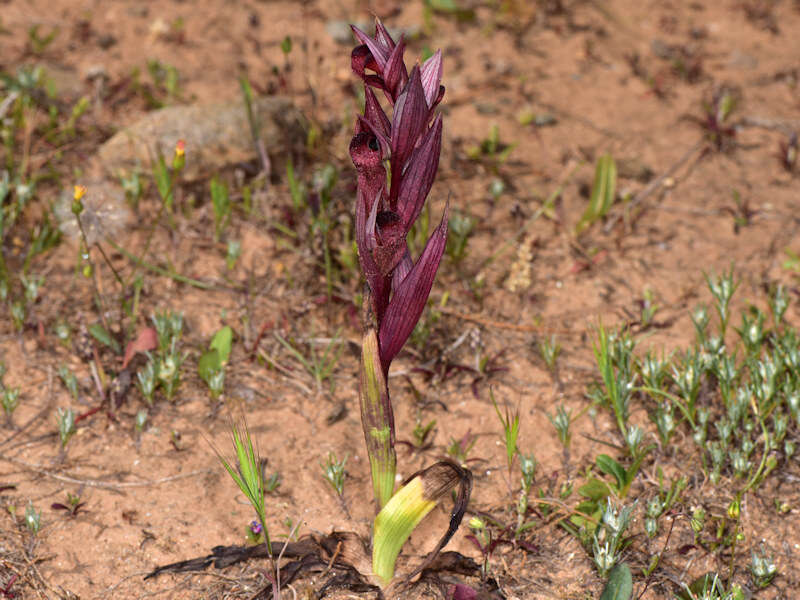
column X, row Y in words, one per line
column 255, row 528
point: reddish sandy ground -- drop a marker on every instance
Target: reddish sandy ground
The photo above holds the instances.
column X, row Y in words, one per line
column 628, row 78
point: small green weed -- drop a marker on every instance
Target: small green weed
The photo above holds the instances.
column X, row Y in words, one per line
column 550, row 349
column 762, row 568
column 461, row 227
column 66, row 426
column 72, row 506
column 211, row 366
column 33, row 518
column 248, row 474
column 38, row 43
column 221, row 204
column 163, row 87
column 69, row 380
column 320, row 366
column 603, row 192
column 334, row 472
column 9, row 397
column 460, row 448
column 491, row 151
column 163, row 369
column 562, row 421
column 608, row 539
column 510, row 423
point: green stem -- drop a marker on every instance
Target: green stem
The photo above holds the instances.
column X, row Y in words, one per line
column 328, row 264
column 148, row 241
column 757, row 474
column 376, row 420
column 160, row 270
column 674, row 398
column 101, row 307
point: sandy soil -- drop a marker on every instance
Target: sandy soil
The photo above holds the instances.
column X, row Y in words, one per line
column 621, row 77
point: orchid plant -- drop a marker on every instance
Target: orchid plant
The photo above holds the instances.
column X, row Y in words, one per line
column 396, row 160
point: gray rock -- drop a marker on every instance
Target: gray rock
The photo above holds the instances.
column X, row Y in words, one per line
column 105, row 212
column 216, row 136
column 341, row 33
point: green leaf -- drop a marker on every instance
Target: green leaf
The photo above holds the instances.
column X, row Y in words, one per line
column 586, row 518
column 221, row 342
column 163, row 181
column 101, row 335
column 209, row 364
column 595, row 489
column 296, row 190
column 451, row 7
column 404, row 511
column 611, row 467
column 620, row 584
column 630, row 474
column 394, row 525
column 604, row 191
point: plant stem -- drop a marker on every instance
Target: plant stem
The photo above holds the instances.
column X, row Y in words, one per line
column 160, row 270
column 148, row 241
column 98, row 296
column 276, row 577
column 377, row 419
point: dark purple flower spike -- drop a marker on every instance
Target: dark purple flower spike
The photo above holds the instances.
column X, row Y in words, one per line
column 410, row 141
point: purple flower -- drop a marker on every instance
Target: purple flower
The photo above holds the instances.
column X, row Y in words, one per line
column 255, row 528
column 411, row 141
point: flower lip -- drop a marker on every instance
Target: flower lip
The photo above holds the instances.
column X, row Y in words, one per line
column 365, row 151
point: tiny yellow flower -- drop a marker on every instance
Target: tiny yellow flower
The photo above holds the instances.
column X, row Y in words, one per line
column 179, row 160
column 78, row 193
